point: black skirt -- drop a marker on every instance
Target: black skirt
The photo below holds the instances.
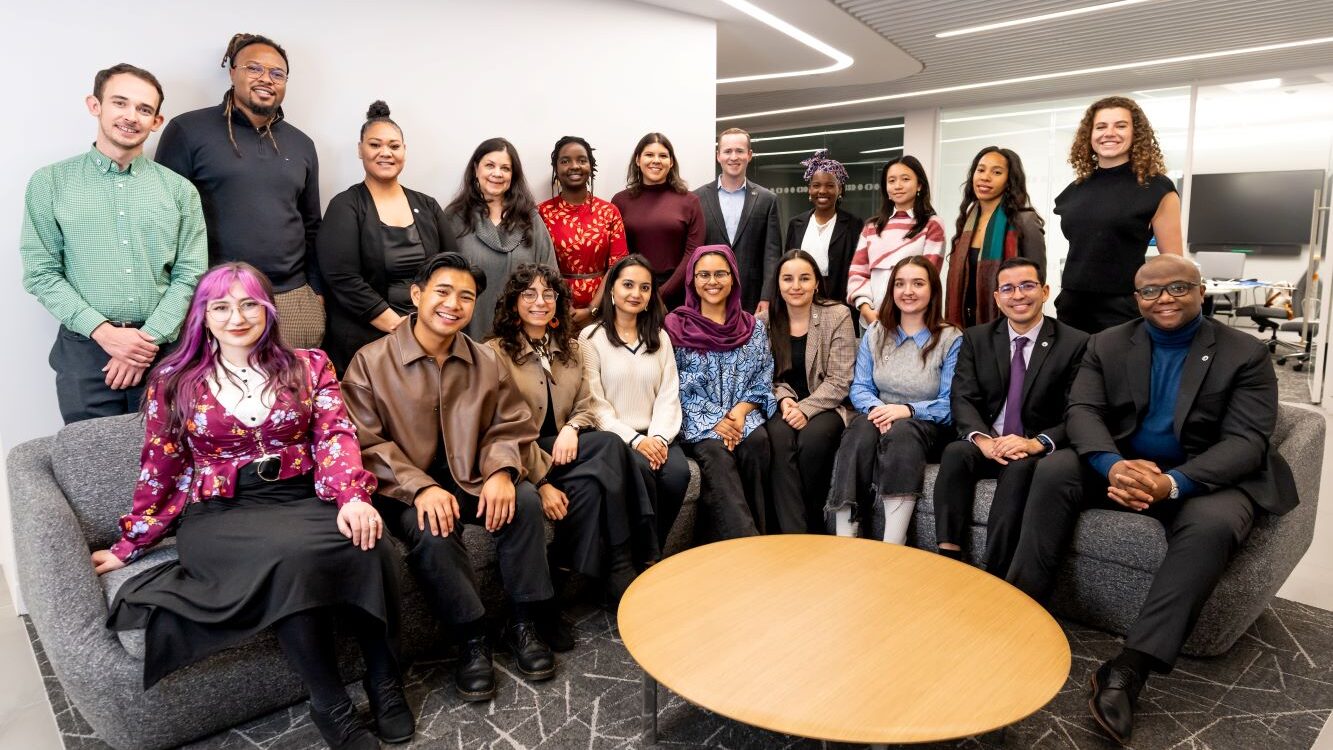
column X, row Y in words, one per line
column 247, row 561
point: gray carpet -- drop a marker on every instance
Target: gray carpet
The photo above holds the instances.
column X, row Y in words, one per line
column 1274, row 691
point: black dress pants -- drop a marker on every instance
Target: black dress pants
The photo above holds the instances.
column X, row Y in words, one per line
column 81, row 388
column 733, row 483
column 869, row 464
column 667, row 487
column 961, row 467
column 598, row 516
column 1093, row 312
column 1202, row 533
column 801, row 471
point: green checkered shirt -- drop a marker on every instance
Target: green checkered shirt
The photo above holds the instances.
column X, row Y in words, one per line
column 101, row 244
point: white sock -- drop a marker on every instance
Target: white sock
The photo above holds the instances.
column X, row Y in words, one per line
column 843, row 525
column 897, row 515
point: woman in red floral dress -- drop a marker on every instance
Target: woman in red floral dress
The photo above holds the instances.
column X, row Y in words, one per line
column 587, row 231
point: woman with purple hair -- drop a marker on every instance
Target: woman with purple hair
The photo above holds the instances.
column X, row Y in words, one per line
column 250, row 455
column 828, row 233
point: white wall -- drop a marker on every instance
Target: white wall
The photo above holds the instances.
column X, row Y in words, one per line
column 453, row 73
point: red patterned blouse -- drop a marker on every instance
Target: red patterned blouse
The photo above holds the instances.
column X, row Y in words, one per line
column 312, row 434
column 588, row 238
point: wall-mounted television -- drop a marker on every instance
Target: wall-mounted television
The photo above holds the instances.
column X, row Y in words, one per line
column 1259, row 212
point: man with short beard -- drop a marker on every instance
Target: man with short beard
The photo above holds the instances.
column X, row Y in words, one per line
column 258, row 177
column 112, row 246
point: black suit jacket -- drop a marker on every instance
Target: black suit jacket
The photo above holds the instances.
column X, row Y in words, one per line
column 846, row 232
column 981, row 379
column 1226, row 408
column 758, row 238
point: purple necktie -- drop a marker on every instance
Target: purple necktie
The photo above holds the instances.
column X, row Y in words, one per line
column 1013, row 407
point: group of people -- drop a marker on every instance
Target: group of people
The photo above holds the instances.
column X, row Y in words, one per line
column 501, row 363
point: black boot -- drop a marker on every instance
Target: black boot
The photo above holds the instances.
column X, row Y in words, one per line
column 534, row 659
column 474, row 675
column 341, row 728
column 621, row 574
column 553, row 628
column 393, row 717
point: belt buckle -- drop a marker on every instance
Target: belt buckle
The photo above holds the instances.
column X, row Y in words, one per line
column 266, row 465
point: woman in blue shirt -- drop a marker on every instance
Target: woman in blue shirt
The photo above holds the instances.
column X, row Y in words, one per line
column 904, row 370
column 726, row 391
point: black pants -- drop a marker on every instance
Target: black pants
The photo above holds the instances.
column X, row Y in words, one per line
column 962, row 465
column 667, row 486
column 733, row 483
column 441, row 563
column 81, row 388
column 1093, row 312
column 597, row 518
column 1202, row 533
column 869, row 464
column 801, row 471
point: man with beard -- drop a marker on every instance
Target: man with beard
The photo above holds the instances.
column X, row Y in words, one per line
column 112, row 246
column 258, row 177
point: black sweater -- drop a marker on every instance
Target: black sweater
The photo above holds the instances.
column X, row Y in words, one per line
column 1107, row 219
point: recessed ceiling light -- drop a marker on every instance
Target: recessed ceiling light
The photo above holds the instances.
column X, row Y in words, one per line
column 1038, row 19
column 825, row 132
column 841, row 60
column 1039, row 77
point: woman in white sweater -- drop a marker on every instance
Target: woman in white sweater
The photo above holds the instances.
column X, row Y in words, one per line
column 628, row 361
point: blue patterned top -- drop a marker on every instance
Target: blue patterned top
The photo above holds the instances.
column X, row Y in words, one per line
column 713, row 382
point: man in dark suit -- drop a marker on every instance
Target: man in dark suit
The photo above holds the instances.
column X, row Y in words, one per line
column 743, row 216
column 1168, row 416
column 1008, row 397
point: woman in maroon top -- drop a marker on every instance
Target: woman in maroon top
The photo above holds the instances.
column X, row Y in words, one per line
column 663, row 219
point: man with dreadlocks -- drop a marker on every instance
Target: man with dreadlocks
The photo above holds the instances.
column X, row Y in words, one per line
column 258, row 177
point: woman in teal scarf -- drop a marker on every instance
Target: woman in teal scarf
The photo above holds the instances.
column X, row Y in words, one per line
column 996, row 222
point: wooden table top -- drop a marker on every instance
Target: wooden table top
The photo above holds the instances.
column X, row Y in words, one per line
column 847, row 640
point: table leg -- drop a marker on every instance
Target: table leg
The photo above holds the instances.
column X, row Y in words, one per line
column 649, row 709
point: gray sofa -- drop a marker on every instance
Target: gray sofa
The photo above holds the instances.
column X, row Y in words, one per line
column 66, row 494
column 1104, row 579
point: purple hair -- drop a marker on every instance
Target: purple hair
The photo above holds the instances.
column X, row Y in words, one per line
column 182, row 375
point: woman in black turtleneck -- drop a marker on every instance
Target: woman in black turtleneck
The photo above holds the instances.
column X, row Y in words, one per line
column 1120, row 199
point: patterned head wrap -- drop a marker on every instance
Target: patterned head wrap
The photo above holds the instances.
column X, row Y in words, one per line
column 821, row 162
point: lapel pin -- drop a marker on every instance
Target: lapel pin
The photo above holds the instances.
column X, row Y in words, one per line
column 1205, row 358
column 1045, row 343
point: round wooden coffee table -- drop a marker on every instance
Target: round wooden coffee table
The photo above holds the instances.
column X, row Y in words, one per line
column 846, row 640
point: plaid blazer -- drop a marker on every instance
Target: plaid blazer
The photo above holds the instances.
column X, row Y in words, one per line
column 830, row 359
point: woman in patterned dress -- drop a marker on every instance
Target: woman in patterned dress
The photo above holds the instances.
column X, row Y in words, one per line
column 250, row 455
column 587, row 231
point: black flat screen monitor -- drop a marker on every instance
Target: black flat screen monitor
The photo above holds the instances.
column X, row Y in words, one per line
column 1255, row 211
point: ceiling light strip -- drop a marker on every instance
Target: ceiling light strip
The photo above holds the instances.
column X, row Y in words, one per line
column 841, row 60
column 1038, row 19
column 825, row 132
column 882, row 150
column 1023, row 113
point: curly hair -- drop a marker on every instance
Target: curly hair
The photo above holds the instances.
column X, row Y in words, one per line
column 508, row 326
column 1145, row 154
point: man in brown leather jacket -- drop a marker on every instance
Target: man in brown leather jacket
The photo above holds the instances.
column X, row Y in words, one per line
column 445, row 432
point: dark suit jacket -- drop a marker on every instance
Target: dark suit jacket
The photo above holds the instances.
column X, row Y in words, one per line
column 846, row 233
column 1226, row 408
column 981, row 379
column 758, row 238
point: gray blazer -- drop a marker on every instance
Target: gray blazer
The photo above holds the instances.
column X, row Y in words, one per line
column 758, row 243
column 830, row 361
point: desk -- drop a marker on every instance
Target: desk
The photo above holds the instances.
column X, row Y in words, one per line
column 846, row 640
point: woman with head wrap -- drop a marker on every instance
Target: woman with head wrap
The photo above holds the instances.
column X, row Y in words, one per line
column 826, row 232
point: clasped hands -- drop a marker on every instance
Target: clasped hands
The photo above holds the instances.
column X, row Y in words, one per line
column 653, row 449
column 731, row 428
column 437, row 508
column 884, row 415
column 792, row 414
column 1137, row 483
column 131, row 351
column 1006, row 448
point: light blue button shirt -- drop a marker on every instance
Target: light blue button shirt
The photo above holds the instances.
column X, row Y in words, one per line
column 732, row 202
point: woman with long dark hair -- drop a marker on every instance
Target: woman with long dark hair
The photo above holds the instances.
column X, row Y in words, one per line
column 250, row 456
column 904, row 374
column 1120, row 200
column 905, row 225
column 495, row 222
column 630, row 367
column 827, row 232
column 664, row 221
column 996, row 222
column 814, row 350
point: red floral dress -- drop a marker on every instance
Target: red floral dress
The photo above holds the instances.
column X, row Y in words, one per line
column 588, row 238
column 311, row 434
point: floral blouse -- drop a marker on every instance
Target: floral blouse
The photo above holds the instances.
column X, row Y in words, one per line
column 588, row 238
column 713, row 382
column 311, row 434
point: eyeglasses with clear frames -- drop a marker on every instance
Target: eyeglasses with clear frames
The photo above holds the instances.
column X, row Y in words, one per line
column 707, row 276
column 257, row 71
column 1175, row 289
column 547, row 295
column 220, row 312
column 1027, row 287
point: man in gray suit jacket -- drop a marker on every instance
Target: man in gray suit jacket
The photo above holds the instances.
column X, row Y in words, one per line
column 743, row 216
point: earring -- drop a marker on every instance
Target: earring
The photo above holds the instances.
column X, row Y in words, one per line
column 555, row 323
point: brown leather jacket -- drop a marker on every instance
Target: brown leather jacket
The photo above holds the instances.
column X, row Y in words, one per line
column 401, row 400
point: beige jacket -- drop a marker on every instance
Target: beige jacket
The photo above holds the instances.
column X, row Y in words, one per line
column 830, row 362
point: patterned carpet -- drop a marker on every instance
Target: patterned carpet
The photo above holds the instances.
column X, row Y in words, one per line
column 1274, row 690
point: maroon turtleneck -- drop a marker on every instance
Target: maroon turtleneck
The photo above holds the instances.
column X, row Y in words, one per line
column 665, row 227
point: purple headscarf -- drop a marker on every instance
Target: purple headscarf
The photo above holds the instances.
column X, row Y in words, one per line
column 691, row 329
column 822, row 162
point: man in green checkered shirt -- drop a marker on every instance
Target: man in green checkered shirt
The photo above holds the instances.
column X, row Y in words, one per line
column 113, row 245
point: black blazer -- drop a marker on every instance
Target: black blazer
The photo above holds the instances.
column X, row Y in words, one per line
column 846, row 232
column 351, row 259
column 758, row 238
column 981, row 379
column 1226, row 408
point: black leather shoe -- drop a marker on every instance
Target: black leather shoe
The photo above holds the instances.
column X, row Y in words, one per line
column 554, row 629
column 393, row 718
column 534, row 658
column 342, row 729
column 474, row 675
column 1115, row 690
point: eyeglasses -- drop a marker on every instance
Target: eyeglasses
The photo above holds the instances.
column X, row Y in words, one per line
column 1175, row 289
column 1027, row 287
column 221, row 312
column 547, row 295
column 256, row 71
column 707, row 276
